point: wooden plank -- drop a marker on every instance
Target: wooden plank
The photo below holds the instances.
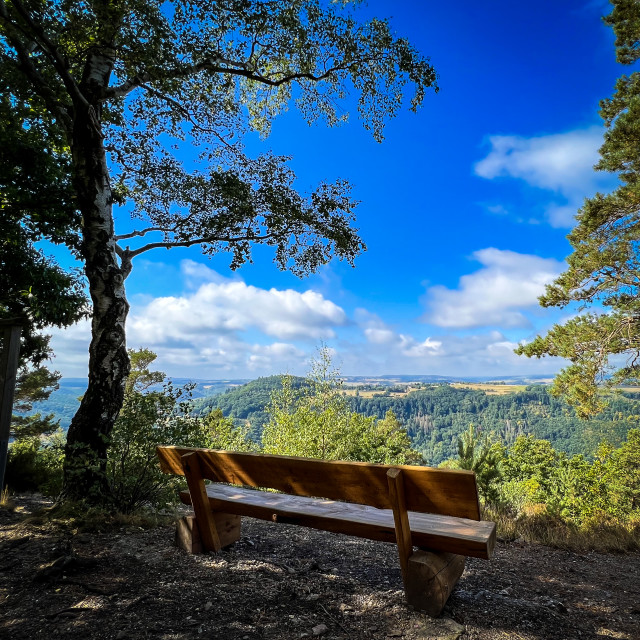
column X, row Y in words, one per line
column 199, row 499
column 401, row 520
column 444, row 533
column 188, row 535
column 427, row 490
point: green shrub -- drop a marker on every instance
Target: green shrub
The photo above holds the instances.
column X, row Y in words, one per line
column 481, row 454
column 548, row 495
column 35, row 464
column 224, row 434
column 150, row 416
column 154, row 415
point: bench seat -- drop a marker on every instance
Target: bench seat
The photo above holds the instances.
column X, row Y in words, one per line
column 443, row 533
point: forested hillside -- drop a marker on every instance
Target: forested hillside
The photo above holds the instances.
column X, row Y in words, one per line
column 436, row 415
column 247, row 403
column 64, row 401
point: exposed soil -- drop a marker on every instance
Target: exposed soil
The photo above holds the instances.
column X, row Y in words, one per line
column 288, row 582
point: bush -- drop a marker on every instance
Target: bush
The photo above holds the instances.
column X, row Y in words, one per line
column 600, row 532
column 150, row 416
column 35, row 464
column 154, row 415
column 224, row 434
column 481, row 454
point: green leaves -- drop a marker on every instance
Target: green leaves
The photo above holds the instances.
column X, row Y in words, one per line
column 154, row 412
column 197, row 75
column 483, row 455
column 573, row 488
column 35, row 288
column 625, row 20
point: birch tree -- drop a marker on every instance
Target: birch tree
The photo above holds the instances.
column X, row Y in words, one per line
column 118, row 89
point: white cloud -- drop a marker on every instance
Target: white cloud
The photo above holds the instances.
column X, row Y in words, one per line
column 395, row 346
column 496, row 294
column 379, row 336
column 195, row 273
column 377, row 332
column 562, row 216
column 272, row 358
column 497, row 209
column 220, row 326
column 220, row 306
column 413, row 348
column 223, row 328
column 71, row 349
column 482, row 354
column 560, row 163
column 216, row 327
column 374, row 329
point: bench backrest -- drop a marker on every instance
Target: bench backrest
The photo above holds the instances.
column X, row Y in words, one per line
column 427, row 490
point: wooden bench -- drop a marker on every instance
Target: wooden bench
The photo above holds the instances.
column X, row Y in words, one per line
column 436, row 510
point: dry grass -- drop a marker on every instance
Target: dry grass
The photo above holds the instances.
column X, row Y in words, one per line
column 600, row 533
column 5, row 500
column 77, row 517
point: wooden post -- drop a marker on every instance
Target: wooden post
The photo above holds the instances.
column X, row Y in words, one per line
column 431, row 577
column 200, row 501
column 9, row 359
column 401, row 520
column 188, row 535
column 428, row 576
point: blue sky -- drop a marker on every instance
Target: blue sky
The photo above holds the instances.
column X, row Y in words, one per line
column 464, row 207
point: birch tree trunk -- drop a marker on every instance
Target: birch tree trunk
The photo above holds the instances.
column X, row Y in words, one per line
column 88, row 436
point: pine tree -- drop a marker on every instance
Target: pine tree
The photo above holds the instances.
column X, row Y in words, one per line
column 604, row 268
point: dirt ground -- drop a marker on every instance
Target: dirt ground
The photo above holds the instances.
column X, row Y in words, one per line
column 286, row 582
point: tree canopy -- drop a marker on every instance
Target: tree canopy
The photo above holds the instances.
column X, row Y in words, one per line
column 602, row 342
column 36, row 200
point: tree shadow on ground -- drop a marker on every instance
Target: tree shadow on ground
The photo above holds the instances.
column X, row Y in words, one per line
column 283, row 582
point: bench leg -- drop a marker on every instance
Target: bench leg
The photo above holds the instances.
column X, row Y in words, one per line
column 188, row 535
column 431, row 577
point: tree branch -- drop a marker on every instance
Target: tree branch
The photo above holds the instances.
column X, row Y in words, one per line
column 143, row 232
column 189, row 243
column 42, row 88
column 213, row 64
column 126, row 87
column 139, row 234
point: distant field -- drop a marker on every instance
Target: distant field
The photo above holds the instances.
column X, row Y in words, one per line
column 490, row 389
column 371, row 393
column 487, row 387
